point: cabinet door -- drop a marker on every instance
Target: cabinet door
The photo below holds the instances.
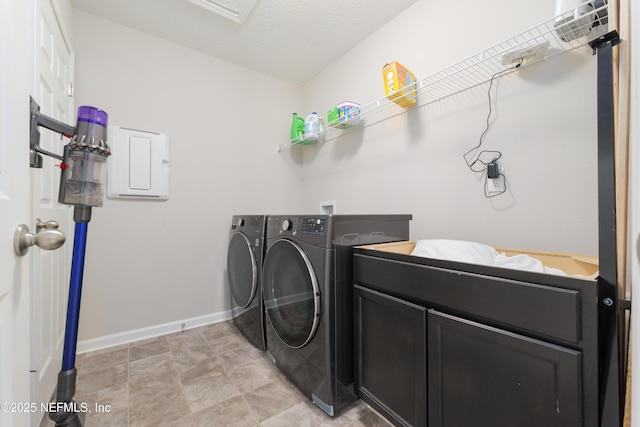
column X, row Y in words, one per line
column 482, row 376
column 390, row 356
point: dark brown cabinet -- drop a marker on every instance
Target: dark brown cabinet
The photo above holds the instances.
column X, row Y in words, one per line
column 483, row 376
column 390, row 352
column 477, row 375
column 501, row 347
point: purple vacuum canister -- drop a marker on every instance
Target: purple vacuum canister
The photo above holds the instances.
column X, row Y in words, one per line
column 93, row 115
column 84, row 168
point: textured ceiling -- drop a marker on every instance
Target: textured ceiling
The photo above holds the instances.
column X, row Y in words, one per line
column 292, row 40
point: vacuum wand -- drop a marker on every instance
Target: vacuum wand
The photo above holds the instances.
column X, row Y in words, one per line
column 83, row 172
column 67, row 413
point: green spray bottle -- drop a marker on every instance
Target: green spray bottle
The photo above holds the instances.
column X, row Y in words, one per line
column 297, row 128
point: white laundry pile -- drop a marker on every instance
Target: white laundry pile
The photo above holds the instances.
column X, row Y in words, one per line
column 477, row 253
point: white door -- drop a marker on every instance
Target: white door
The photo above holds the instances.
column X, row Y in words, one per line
column 16, row 71
column 50, row 269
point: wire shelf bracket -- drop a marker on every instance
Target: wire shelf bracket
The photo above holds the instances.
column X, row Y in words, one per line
column 563, row 33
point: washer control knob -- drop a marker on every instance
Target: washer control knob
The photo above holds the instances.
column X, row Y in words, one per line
column 286, row 225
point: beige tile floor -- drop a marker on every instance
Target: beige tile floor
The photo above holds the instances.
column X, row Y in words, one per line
column 209, row 376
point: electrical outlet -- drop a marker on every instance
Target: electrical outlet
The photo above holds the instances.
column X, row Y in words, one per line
column 496, row 185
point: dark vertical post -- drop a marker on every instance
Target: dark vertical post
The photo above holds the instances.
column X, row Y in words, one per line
column 609, row 384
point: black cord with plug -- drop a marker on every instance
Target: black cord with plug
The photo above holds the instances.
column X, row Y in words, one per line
column 494, row 155
column 492, row 170
column 493, row 173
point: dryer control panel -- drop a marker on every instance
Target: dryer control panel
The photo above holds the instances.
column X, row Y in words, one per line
column 305, row 225
column 314, row 225
column 313, row 229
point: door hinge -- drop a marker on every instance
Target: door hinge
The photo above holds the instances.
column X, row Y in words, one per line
column 70, row 90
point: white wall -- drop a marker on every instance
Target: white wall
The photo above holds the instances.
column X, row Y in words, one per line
column 543, row 123
column 151, row 263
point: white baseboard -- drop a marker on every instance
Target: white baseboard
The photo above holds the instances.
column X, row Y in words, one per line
column 113, row 340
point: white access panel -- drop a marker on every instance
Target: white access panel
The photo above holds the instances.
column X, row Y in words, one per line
column 138, row 167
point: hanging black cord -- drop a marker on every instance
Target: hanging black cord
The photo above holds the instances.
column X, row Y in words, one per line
column 496, row 154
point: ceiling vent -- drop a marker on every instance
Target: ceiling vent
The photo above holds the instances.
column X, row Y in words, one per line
column 235, row 10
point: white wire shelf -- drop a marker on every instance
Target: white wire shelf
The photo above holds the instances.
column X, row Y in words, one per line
column 562, row 33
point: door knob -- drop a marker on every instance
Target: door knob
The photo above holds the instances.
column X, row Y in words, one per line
column 47, row 236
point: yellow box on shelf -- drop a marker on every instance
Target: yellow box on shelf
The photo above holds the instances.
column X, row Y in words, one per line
column 396, row 79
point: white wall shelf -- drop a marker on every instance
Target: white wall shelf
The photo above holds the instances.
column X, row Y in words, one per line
column 560, row 34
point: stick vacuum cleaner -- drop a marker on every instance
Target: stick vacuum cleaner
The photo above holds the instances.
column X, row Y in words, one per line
column 81, row 186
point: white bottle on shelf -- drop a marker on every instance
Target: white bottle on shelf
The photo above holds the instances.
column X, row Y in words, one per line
column 311, row 127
